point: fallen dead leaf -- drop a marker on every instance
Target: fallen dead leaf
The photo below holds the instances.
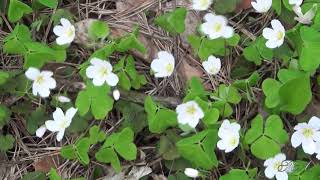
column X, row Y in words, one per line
column 245, row 4
column 134, row 174
column 188, row 71
column 159, row 177
column 44, row 164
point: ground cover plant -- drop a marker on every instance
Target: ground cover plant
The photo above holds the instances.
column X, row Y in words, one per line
column 159, row 89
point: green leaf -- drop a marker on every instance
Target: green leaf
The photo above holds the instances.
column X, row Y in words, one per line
column 5, row 114
column 49, row 3
column 310, row 56
column 98, row 29
column 173, row 22
column 229, row 94
column 235, row 174
column 124, row 145
column 167, row 145
column 150, row 106
column 295, row 98
column 68, row 152
column 133, row 114
column 54, row 175
column 211, row 116
column 130, row 42
column 36, row 119
column 251, row 54
column 276, row 5
column 82, row 149
column 14, row 42
column 96, row 135
column 274, row 129
column 95, row 98
column 234, row 40
column 225, row 6
column 258, row 148
column 271, row 89
column 4, row 76
column 17, row 9
column 36, row 175
column 255, row 131
column 7, row 142
column 124, row 81
column 107, row 155
column 199, row 149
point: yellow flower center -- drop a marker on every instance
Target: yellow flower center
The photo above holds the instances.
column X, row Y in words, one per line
column 63, row 124
column 217, row 27
column 213, row 70
column 277, row 165
column 280, row 35
column 103, row 71
column 307, row 132
column 233, row 141
column 40, row 79
column 70, row 32
column 169, row 68
column 191, row 110
column 204, row 3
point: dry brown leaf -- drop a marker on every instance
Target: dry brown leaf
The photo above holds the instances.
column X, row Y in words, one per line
column 124, row 5
column 245, row 4
column 159, row 177
column 44, row 164
column 188, row 71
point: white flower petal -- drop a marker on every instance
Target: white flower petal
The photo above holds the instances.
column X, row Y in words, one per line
column 40, row 131
column 112, row 79
column 116, row 94
column 32, row 73
column 228, row 32
column 58, row 114
column 315, row 122
column 309, row 146
column 65, row 22
column 268, row 33
column 58, row 30
column 61, row 40
column 296, row 139
column 52, row 126
column 281, row 176
column 44, row 92
column 270, row 172
column 98, row 81
column 222, row 145
column 280, row 157
column 60, row 135
column 91, row 71
column 190, row 172
column 63, row 99
column 70, row 113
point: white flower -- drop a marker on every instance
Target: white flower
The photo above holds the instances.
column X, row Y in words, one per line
column 190, row 172
column 41, row 130
column 63, row 99
column 276, row 166
column 295, row 2
column 101, row 71
column 307, row 135
column 304, row 18
column 201, row 5
column 229, row 134
column 212, row 65
column 164, row 65
column 60, row 121
column 262, row 6
column 216, row 26
column 274, row 36
column 42, row 81
column 65, row 33
column 189, row 113
column 116, row 94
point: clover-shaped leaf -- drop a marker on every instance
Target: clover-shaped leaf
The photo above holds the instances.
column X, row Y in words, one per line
column 96, row 135
column 199, row 149
column 17, row 9
column 98, row 29
column 95, row 98
column 159, row 118
column 14, row 42
column 173, row 22
column 49, row 3
column 271, row 135
column 122, row 143
column 4, row 115
column 257, row 52
column 7, row 142
column 271, row 88
column 167, row 145
column 130, row 42
column 235, row 174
